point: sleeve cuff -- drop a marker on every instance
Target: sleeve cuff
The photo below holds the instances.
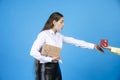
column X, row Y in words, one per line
column 46, row 59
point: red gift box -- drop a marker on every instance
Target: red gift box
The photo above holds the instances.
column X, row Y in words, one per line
column 104, row 43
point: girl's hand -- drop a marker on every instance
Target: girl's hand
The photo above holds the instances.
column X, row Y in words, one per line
column 97, row 47
column 55, row 59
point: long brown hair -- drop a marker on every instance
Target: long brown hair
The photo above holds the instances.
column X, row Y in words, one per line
column 48, row 25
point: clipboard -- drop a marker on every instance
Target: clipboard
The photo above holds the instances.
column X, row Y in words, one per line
column 51, row 51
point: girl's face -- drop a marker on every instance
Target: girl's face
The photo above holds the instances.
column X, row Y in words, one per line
column 58, row 25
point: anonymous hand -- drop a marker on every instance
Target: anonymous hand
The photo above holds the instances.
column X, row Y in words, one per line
column 97, row 47
column 108, row 47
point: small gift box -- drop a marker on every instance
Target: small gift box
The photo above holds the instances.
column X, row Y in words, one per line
column 104, row 43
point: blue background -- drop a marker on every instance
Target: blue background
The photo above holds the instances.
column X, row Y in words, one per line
column 89, row 20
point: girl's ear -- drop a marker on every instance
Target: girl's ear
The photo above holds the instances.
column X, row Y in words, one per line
column 54, row 22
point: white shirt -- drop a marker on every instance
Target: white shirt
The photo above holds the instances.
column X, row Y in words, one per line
column 55, row 39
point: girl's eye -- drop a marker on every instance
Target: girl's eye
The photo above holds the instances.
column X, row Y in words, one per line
column 61, row 22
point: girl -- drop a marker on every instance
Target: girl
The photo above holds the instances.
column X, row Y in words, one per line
column 47, row 68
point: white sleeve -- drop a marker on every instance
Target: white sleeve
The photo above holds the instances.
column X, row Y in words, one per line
column 77, row 42
column 36, row 48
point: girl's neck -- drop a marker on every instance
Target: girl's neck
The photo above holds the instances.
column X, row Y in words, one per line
column 54, row 30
